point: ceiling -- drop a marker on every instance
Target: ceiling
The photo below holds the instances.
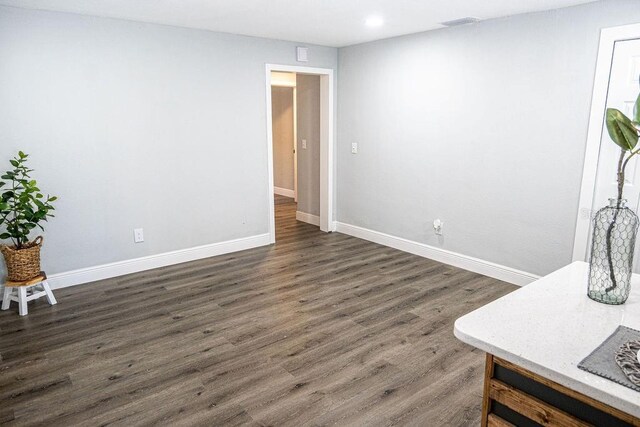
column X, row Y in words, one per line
column 325, row 22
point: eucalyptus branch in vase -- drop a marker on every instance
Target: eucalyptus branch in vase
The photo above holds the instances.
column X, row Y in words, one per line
column 625, row 133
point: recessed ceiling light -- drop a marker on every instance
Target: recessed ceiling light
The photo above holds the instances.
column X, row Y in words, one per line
column 374, row 21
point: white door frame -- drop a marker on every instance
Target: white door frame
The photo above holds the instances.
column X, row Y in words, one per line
column 295, row 143
column 608, row 39
column 327, row 143
column 294, row 103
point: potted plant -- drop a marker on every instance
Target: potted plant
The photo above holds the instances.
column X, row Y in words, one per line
column 615, row 226
column 23, row 207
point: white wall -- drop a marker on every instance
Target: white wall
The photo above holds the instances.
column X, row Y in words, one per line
column 308, row 124
column 482, row 126
column 138, row 125
column 142, row 125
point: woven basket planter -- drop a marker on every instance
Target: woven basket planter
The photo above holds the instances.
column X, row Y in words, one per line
column 22, row 264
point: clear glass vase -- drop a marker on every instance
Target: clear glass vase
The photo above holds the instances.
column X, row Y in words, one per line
column 612, row 248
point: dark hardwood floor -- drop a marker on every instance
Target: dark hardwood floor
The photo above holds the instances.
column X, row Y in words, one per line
column 320, row 329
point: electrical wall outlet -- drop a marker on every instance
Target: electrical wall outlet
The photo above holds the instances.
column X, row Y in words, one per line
column 304, row 144
column 437, row 226
column 138, row 235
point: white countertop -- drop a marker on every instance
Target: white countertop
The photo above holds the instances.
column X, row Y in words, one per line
column 549, row 326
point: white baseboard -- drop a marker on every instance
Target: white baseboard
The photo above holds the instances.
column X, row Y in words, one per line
column 306, row 217
column 455, row 259
column 283, row 192
column 106, row 271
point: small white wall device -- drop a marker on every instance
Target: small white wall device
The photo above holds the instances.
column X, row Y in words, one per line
column 138, row 235
column 302, row 54
column 437, row 226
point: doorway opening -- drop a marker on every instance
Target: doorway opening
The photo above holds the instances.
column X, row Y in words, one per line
column 300, row 117
column 284, row 133
column 615, row 85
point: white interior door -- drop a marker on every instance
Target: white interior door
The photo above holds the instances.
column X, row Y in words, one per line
column 623, row 90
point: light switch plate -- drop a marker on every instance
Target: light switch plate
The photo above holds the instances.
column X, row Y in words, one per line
column 304, row 144
column 354, row 148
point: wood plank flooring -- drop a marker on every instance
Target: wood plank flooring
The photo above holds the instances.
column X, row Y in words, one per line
column 320, row 329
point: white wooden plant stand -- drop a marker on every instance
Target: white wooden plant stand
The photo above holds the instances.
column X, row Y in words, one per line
column 25, row 291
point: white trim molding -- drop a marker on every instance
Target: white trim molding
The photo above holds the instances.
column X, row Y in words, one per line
column 120, row 268
column 608, row 39
column 308, row 218
column 283, row 192
column 487, row 268
column 327, row 142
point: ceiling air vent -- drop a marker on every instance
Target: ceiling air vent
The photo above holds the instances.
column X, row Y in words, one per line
column 461, row 21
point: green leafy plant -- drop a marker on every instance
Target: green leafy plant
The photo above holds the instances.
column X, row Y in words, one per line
column 22, row 205
column 625, row 132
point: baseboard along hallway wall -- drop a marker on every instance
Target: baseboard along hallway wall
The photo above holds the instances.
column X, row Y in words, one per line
column 308, row 218
column 283, row 192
